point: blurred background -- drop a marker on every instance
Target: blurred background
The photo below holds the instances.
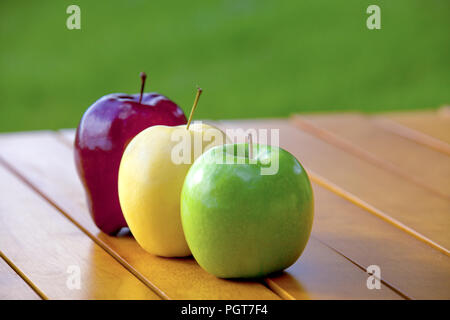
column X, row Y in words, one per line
column 253, row 58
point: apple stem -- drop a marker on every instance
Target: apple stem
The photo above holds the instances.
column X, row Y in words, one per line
column 250, row 146
column 143, row 78
column 199, row 92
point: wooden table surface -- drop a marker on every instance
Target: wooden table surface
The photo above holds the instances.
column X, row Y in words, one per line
column 382, row 197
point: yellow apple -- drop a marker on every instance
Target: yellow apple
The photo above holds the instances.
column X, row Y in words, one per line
column 151, row 176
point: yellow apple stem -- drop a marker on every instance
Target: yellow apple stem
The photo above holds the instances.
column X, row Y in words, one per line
column 199, row 92
column 250, row 146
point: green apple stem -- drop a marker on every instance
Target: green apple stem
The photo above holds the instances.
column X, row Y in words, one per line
column 143, row 78
column 199, row 92
column 250, row 146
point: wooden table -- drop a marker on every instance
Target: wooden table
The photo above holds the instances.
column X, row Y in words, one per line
column 382, row 196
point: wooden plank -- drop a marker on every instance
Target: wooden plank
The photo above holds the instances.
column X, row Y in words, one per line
column 406, row 263
column 426, row 127
column 382, row 193
column 12, row 286
column 48, row 165
column 358, row 135
column 427, row 122
column 44, row 245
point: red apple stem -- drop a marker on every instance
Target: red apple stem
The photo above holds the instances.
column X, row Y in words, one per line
column 199, row 92
column 143, row 78
column 250, row 146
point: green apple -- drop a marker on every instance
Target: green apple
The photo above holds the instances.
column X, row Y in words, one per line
column 151, row 175
column 239, row 222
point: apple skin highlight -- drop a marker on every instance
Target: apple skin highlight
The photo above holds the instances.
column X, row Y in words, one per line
column 241, row 224
column 101, row 137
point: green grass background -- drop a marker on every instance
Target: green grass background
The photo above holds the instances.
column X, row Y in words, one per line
column 253, row 58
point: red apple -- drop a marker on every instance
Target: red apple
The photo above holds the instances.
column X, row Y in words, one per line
column 102, row 135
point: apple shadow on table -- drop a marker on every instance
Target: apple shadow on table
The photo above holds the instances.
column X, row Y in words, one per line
column 280, row 282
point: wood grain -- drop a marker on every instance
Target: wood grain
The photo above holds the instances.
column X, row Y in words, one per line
column 379, row 191
column 12, row 286
column 48, row 165
column 359, row 135
column 44, row 245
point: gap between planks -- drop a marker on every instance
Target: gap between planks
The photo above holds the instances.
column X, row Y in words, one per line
column 23, row 277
